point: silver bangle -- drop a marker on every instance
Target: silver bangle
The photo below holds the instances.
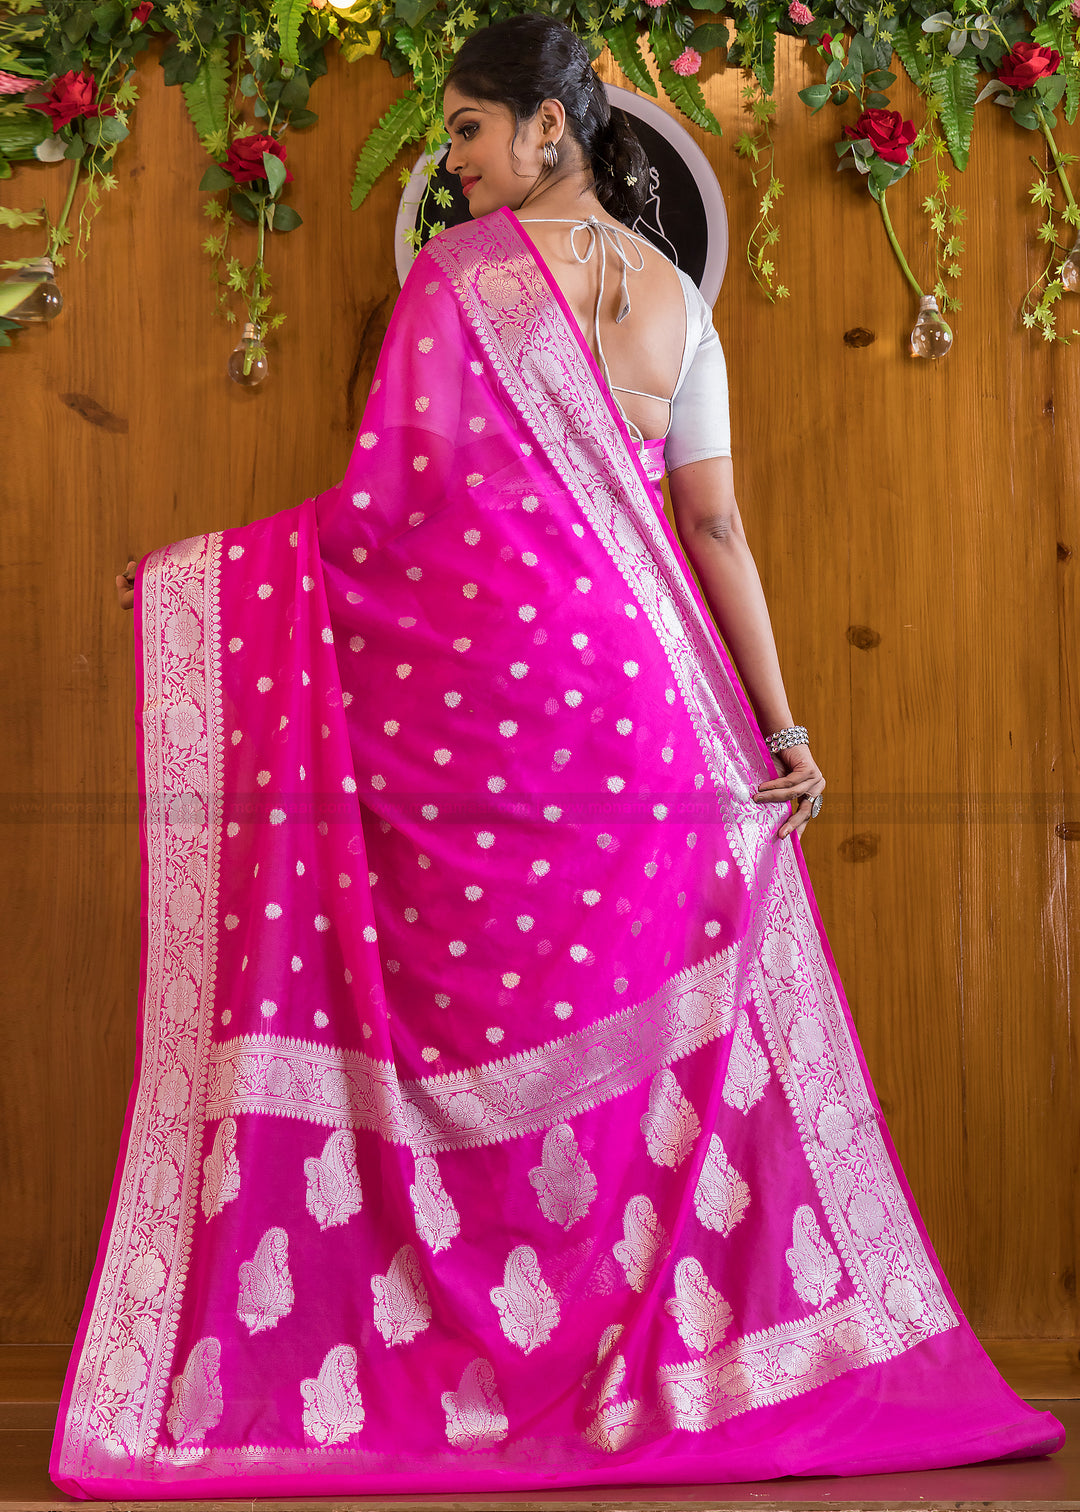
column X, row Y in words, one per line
column 781, row 739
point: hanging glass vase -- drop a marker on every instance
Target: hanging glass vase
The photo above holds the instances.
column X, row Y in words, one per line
column 932, row 336
column 44, row 300
column 1069, row 272
column 247, row 362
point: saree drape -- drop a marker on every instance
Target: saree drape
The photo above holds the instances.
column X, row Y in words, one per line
column 498, row 1119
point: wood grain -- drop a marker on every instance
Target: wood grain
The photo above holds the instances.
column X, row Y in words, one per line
column 917, row 532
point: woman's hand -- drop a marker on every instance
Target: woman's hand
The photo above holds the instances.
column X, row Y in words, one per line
column 125, row 586
column 801, row 780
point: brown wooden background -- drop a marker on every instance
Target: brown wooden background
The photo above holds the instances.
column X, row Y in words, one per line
column 937, row 507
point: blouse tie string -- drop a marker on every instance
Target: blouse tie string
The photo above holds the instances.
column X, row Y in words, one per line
column 599, row 233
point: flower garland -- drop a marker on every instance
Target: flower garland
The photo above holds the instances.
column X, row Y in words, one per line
column 246, row 68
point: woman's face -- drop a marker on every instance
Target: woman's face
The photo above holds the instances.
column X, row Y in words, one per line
column 497, row 160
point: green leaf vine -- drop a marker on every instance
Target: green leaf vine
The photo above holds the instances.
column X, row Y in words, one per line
column 247, row 67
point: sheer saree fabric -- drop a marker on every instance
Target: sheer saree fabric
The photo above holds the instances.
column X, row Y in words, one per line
column 498, row 1120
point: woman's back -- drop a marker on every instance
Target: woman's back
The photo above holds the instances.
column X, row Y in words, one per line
column 644, row 351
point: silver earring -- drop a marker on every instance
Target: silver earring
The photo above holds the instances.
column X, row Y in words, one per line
column 551, row 155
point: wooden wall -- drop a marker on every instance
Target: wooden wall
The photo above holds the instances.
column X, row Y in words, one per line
column 935, row 507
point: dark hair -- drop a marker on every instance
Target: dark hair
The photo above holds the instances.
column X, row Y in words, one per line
column 528, row 59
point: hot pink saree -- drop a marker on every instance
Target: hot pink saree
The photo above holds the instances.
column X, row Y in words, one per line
column 498, row 1119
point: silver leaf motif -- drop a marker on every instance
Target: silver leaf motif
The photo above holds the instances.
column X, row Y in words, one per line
column 528, row 1309
column 721, row 1196
column 474, row 1412
column 702, row 1314
column 748, row 1069
column 644, row 1241
column 196, row 1395
column 221, row 1170
column 815, row 1270
column 333, row 1182
column 266, row 1289
column 333, row 1410
column 402, row 1309
column 671, row 1125
column 565, row 1185
column 437, row 1220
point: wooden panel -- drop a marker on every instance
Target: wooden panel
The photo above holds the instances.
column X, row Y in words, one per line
column 922, row 504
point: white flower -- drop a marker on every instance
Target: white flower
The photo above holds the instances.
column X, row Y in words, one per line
column 145, row 1277
column 125, row 1370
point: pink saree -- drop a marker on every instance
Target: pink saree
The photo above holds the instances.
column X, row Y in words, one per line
column 498, row 1120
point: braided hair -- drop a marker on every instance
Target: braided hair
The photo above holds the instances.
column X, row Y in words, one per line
column 531, row 58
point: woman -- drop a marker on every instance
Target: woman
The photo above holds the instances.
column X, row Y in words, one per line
column 498, row 1119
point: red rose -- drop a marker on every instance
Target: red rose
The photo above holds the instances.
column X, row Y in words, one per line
column 140, row 12
column 887, row 132
column 72, row 95
column 245, row 158
column 826, row 45
column 1027, row 63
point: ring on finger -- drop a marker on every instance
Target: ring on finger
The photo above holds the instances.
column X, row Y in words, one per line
column 815, row 804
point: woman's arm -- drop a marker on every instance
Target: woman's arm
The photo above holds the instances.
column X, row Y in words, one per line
column 710, row 529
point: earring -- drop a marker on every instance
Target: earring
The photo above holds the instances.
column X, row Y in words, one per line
column 551, row 155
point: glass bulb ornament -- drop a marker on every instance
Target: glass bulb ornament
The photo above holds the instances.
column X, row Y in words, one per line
column 1069, row 272
column 247, row 361
column 44, row 300
column 932, row 336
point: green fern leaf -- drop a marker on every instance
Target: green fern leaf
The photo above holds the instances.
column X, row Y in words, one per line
column 1072, row 94
column 904, row 41
column 287, row 17
column 206, row 98
column 684, row 94
column 622, row 43
column 957, row 87
column 402, row 123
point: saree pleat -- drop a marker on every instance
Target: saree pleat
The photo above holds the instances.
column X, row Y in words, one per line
column 498, row 1118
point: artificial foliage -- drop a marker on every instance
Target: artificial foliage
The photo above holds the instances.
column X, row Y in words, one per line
column 247, row 69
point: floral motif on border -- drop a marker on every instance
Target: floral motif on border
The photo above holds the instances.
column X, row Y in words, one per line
column 502, row 1100
column 762, row 1369
column 126, row 1363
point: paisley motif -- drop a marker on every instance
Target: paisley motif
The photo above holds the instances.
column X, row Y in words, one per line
column 721, row 1196
column 565, row 1186
column 196, row 1395
column 671, row 1125
column 333, row 1182
column 815, row 1270
column 221, row 1170
column 747, row 1070
column 266, row 1289
column 613, row 1426
column 528, row 1309
column 702, row 1314
column 644, row 1241
column 437, row 1220
column 333, row 1411
column 474, row 1412
column 402, row 1309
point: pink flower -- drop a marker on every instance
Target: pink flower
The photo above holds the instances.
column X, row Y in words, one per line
column 688, row 62
column 1074, row 10
column 801, row 14
column 656, row 4
column 11, row 84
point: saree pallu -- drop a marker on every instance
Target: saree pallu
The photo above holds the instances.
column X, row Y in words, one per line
column 498, row 1119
